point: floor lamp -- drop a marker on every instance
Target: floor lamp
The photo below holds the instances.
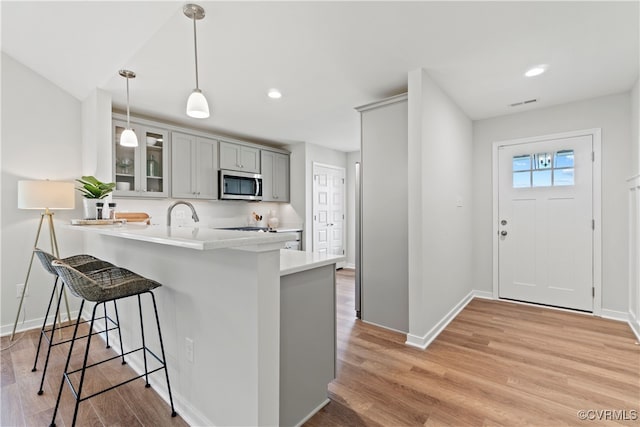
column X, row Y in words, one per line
column 44, row 195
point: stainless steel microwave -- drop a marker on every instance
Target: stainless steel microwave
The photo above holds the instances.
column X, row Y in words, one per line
column 236, row 185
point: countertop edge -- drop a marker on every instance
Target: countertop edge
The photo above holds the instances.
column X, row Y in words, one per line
column 154, row 234
column 292, row 262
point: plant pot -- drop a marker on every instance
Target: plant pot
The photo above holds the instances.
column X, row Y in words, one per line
column 89, row 208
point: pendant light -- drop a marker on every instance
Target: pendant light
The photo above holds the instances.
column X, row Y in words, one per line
column 128, row 137
column 197, row 105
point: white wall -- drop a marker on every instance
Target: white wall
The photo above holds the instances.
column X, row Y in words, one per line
column 440, row 248
column 634, row 213
column 635, row 129
column 41, row 139
column 350, row 246
column 611, row 114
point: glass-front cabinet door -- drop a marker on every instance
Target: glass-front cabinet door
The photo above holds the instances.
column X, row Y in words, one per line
column 141, row 171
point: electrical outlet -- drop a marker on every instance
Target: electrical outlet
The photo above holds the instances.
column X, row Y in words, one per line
column 179, row 214
column 189, row 349
column 19, row 288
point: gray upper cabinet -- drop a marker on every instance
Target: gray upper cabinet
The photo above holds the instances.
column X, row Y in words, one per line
column 239, row 157
column 141, row 171
column 194, row 167
column 275, row 176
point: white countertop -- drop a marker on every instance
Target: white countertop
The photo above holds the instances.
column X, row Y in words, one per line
column 297, row 261
column 191, row 237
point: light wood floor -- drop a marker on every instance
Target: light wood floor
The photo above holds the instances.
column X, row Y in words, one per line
column 497, row 363
column 128, row 405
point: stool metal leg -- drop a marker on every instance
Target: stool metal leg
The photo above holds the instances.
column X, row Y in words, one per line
column 53, row 330
column 115, row 308
column 144, row 346
column 44, row 324
column 106, row 323
column 84, row 365
column 66, row 367
column 164, row 358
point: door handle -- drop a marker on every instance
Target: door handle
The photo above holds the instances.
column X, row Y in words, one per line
column 503, row 233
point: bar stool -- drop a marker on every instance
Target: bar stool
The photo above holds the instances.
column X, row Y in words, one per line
column 101, row 286
column 82, row 263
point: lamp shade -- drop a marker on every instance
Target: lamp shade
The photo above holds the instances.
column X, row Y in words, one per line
column 128, row 138
column 45, row 195
column 197, row 105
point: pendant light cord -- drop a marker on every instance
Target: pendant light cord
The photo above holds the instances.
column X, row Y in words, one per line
column 195, row 46
column 128, row 123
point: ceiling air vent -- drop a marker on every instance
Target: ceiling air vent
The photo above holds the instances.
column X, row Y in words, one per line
column 528, row 101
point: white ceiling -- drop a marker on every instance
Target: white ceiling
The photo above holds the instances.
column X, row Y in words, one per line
column 325, row 57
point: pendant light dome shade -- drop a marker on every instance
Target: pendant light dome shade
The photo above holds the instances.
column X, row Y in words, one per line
column 197, row 105
column 128, row 138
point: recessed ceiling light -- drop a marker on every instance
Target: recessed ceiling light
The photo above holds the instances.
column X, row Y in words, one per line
column 274, row 94
column 536, row 71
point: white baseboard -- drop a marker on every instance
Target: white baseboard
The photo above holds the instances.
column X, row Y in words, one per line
column 620, row 316
column 33, row 323
column 634, row 323
column 423, row 342
column 350, row 266
column 312, row 413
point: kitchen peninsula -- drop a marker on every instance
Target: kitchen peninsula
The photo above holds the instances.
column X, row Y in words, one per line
column 249, row 329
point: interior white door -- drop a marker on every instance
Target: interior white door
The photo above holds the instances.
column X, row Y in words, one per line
column 328, row 209
column 546, row 222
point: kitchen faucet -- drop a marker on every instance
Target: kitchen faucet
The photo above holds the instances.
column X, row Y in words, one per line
column 194, row 215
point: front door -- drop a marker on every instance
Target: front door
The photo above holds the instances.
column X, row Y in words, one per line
column 545, row 214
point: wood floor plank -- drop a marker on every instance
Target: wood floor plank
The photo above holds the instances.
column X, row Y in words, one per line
column 12, row 414
column 6, row 368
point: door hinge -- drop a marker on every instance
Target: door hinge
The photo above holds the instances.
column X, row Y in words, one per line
column 593, row 156
column 343, row 252
column 593, row 292
column 343, row 180
column 593, row 224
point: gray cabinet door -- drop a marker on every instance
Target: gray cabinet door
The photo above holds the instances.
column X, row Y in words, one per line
column 281, row 177
column 275, row 176
column 182, row 157
column 206, row 163
column 195, row 167
column 141, row 171
column 239, row 157
column 267, row 159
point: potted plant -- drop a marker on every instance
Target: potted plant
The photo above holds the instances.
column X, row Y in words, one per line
column 93, row 190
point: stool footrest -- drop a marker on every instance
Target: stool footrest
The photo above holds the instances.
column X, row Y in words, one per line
column 45, row 331
column 73, row 389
